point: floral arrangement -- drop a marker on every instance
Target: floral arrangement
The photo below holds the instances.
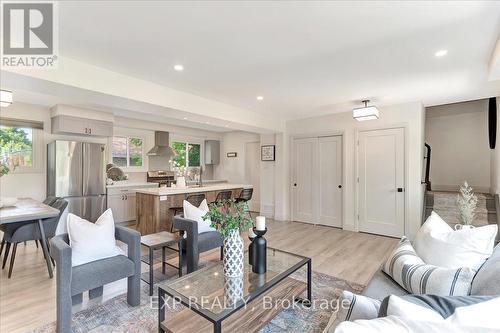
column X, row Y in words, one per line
column 228, row 216
column 4, row 169
column 467, row 203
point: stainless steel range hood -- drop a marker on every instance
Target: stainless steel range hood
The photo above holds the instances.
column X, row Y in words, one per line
column 161, row 147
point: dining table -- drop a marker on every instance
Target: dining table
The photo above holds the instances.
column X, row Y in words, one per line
column 31, row 210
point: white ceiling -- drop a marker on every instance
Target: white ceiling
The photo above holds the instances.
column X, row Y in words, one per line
column 305, row 58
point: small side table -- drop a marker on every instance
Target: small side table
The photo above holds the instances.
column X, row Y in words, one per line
column 162, row 240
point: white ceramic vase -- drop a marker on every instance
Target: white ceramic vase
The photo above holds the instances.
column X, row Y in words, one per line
column 232, row 262
column 463, row 226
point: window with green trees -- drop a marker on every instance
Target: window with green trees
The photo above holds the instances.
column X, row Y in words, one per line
column 127, row 151
column 187, row 154
column 16, row 147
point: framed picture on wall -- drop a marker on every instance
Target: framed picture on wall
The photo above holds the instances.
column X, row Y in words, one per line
column 267, row 153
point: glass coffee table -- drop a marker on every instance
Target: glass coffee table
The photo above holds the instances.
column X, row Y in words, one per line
column 210, row 295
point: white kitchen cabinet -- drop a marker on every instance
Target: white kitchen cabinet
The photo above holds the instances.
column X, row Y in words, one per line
column 212, row 152
column 121, row 200
column 64, row 124
column 118, row 206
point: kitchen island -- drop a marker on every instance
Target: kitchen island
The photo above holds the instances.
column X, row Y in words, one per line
column 153, row 205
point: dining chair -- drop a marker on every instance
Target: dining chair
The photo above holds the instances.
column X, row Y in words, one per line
column 29, row 232
column 10, row 227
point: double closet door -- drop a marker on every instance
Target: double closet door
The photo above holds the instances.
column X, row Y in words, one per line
column 317, row 180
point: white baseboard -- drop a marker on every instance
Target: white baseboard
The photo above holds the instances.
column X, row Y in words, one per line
column 455, row 188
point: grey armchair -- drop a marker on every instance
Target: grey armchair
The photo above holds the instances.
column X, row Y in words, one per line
column 71, row 281
column 195, row 243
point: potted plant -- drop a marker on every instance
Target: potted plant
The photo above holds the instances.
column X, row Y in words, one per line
column 230, row 218
column 467, row 203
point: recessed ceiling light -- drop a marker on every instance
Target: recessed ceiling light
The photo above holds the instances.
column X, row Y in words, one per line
column 207, row 122
column 179, row 68
column 260, row 98
column 441, row 53
column 185, row 118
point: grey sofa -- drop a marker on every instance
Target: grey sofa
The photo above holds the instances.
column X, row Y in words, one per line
column 73, row 281
column 195, row 243
column 486, row 281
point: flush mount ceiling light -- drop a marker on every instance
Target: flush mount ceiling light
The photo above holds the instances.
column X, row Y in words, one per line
column 179, row 68
column 366, row 112
column 5, row 98
column 260, row 98
column 441, row 53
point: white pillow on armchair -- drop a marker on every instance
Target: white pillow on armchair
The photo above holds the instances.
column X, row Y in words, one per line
column 92, row 241
column 194, row 213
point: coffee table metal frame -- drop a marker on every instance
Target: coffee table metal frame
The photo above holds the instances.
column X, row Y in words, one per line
column 217, row 319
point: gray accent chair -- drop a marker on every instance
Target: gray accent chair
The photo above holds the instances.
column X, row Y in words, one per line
column 27, row 231
column 71, row 281
column 195, row 243
column 485, row 283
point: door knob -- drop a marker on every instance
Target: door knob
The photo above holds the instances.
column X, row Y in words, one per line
column 340, row 186
column 400, row 189
column 294, row 184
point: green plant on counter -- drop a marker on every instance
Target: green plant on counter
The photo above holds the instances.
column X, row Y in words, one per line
column 228, row 215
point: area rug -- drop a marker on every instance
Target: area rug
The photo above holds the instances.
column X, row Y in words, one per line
column 116, row 316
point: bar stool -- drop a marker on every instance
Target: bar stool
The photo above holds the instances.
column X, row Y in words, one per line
column 193, row 199
column 245, row 196
column 223, row 195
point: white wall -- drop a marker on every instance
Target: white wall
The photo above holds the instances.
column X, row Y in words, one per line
column 410, row 115
column 458, row 136
column 33, row 184
column 495, row 157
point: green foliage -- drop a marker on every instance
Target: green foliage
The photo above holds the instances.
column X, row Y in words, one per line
column 4, row 169
column 180, row 149
column 15, row 146
column 194, row 155
column 228, row 215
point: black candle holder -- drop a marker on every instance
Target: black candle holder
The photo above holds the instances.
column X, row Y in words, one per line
column 259, row 249
column 250, row 251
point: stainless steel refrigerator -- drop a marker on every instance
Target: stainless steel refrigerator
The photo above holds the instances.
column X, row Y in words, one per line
column 76, row 171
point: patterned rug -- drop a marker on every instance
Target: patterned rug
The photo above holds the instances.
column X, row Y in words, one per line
column 116, row 316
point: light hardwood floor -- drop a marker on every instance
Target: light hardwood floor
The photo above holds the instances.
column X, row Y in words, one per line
column 27, row 300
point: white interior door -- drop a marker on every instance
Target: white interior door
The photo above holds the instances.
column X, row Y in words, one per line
column 381, row 197
column 305, row 180
column 252, row 173
column 330, row 180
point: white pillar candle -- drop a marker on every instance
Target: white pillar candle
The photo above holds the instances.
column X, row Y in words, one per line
column 260, row 223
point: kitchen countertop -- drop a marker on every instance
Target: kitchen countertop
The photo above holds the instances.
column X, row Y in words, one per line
column 207, row 181
column 161, row 191
column 120, row 184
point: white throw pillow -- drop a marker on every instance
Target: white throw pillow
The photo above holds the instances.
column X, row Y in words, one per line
column 438, row 244
column 411, row 273
column 393, row 324
column 194, row 213
column 92, row 241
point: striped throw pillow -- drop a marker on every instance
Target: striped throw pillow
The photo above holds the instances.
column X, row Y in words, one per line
column 414, row 275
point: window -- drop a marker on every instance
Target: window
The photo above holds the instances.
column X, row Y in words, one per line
column 127, row 151
column 16, row 147
column 186, row 157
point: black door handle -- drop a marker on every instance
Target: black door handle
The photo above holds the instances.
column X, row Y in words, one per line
column 400, row 189
column 340, row 186
column 294, row 184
